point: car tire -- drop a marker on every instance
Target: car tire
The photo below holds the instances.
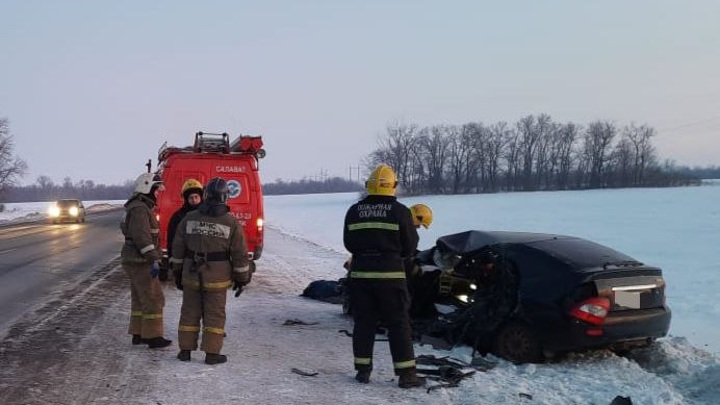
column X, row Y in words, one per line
column 518, row 343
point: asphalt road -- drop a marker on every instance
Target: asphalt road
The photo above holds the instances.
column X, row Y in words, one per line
column 39, row 262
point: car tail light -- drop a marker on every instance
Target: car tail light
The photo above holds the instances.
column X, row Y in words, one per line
column 592, row 310
column 660, row 282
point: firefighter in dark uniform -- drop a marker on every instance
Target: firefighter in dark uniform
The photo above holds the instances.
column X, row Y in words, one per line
column 210, row 249
column 191, row 192
column 139, row 259
column 380, row 234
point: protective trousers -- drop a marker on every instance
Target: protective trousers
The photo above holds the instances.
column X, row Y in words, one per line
column 146, row 302
column 207, row 306
column 374, row 300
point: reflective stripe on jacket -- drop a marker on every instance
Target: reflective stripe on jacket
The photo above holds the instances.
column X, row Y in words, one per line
column 141, row 231
column 380, row 234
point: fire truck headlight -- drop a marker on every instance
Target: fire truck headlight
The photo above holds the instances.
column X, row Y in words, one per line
column 54, row 211
column 73, row 211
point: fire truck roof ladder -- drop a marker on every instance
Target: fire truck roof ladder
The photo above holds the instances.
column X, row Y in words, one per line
column 210, row 142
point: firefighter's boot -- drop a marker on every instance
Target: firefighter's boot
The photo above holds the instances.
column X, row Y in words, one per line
column 363, row 376
column 211, row 358
column 158, row 342
column 137, row 340
column 184, row 355
column 410, row 379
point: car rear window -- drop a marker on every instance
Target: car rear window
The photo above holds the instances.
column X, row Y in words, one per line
column 581, row 253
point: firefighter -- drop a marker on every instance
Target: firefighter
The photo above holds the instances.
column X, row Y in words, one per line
column 422, row 215
column 191, row 192
column 420, row 285
column 139, row 258
column 380, row 234
column 209, row 248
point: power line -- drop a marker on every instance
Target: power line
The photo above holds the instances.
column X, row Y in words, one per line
column 691, row 124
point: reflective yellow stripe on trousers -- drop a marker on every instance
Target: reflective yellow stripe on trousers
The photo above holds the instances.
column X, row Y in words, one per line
column 404, row 364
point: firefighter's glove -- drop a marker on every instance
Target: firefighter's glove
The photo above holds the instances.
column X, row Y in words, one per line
column 154, row 269
column 240, row 277
column 177, row 274
column 238, row 288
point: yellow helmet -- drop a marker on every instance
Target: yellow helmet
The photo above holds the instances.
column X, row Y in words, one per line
column 422, row 215
column 382, row 181
column 191, row 184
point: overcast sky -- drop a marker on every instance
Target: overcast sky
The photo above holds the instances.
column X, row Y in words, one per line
column 92, row 89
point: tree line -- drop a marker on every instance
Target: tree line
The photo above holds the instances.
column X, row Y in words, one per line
column 45, row 189
column 305, row 186
column 534, row 153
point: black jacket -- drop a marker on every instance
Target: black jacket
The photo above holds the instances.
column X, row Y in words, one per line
column 174, row 222
column 380, row 234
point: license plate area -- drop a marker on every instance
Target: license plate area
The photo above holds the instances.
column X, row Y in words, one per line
column 627, row 299
column 637, row 296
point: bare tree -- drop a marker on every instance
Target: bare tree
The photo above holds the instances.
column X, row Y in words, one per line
column 67, row 183
column 397, row 149
column 532, row 134
column 475, row 136
column 598, row 139
column 459, row 153
column 622, row 164
column 644, row 152
column 434, row 143
column 568, row 134
column 498, row 137
column 11, row 166
column 512, row 157
column 45, row 182
column 543, row 157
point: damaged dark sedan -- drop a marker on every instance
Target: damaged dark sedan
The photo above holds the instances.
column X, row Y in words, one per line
column 549, row 294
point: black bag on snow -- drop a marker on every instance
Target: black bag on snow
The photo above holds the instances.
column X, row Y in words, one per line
column 324, row 290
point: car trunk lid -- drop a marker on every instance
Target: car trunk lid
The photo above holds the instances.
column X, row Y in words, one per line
column 631, row 291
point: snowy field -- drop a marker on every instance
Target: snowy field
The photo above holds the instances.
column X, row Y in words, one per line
column 676, row 229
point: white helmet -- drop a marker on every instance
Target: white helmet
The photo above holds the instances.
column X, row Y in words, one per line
column 145, row 183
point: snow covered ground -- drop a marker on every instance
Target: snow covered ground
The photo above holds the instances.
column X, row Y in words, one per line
column 676, row 229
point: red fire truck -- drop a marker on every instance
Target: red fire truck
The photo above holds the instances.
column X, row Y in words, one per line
column 213, row 155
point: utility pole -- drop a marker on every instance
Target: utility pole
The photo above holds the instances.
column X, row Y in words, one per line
column 352, row 169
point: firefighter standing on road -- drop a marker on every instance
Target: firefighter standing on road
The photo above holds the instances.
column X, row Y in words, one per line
column 140, row 255
column 209, row 248
column 192, row 191
column 380, row 234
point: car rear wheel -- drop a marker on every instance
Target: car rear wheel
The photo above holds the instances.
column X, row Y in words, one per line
column 517, row 342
